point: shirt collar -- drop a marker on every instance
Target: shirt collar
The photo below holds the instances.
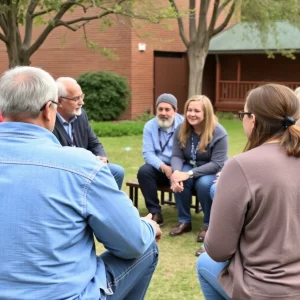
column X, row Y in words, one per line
column 63, row 121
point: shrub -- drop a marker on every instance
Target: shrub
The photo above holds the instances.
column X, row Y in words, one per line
column 144, row 117
column 106, row 95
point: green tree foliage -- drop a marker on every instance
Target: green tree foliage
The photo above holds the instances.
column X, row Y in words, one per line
column 265, row 15
column 106, row 95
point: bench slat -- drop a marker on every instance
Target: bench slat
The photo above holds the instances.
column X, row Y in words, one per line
column 133, row 194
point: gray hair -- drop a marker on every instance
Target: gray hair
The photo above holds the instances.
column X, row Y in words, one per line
column 60, row 82
column 26, row 89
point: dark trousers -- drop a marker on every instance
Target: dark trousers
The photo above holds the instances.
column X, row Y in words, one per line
column 149, row 178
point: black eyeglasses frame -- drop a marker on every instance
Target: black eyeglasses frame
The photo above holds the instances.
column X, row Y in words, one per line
column 241, row 114
column 43, row 107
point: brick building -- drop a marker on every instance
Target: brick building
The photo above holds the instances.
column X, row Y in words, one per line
column 162, row 67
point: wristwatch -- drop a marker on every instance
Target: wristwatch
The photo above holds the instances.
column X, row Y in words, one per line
column 191, row 173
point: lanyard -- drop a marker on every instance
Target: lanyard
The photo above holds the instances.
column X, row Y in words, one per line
column 163, row 147
column 194, row 150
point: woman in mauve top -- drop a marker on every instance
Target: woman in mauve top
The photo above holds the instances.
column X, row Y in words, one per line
column 199, row 151
column 1, row 119
column 253, row 241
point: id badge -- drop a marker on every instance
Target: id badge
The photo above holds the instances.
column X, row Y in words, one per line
column 193, row 162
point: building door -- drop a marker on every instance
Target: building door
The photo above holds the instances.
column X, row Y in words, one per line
column 171, row 76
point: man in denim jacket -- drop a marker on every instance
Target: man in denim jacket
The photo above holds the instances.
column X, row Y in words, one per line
column 54, row 200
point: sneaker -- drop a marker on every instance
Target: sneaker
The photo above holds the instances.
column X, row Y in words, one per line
column 158, row 218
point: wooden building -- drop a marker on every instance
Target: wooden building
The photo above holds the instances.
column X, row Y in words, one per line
column 241, row 62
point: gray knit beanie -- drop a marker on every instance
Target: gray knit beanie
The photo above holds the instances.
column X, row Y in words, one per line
column 167, row 98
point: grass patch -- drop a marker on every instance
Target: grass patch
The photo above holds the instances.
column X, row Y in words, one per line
column 117, row 129
column 175, row 276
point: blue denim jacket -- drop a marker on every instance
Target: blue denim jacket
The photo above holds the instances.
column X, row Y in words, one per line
column 53, row 199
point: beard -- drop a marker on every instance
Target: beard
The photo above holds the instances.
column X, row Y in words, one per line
column 165, row 124
column 78, row 112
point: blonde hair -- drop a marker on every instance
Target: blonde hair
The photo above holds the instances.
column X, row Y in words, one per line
column 207, row 126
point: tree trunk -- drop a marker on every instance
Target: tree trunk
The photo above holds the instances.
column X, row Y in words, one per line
column 16, row 57
column 197, row 57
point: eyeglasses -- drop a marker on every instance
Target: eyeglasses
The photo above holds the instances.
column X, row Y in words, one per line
column 81, row 97
column 43, row 107
column 241, row 114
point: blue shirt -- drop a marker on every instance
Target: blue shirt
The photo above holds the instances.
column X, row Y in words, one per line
column 53, row 199
column 154, row 139
column 68, row 126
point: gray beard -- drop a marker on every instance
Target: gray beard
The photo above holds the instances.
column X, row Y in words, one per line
column 166, row 124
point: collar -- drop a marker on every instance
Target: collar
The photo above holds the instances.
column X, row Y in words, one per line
column 26, row 130
column 63, row 121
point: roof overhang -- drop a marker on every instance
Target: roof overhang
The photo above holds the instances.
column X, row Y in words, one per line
column 246, row 38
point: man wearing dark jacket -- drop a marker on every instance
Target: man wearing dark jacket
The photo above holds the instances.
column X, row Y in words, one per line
column 72, row 127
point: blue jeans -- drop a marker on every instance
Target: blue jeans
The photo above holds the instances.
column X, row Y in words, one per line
column 118, row 173
column 212, row 191
column 183, row 200
column 129, row 278
column 208, row 271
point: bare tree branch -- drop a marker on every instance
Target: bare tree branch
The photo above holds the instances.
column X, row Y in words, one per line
column 227, row 19
column 202, row 26
column 31, row 7
column 46, row 11
column 222, row 6
column 3, row 24
column 42, row 12
column 3, row 38
column 84, row 19
column 213, row 18
column 29, row 21
column 180, row 24
column 192, row 20
column 85, row 36
column 39, row 41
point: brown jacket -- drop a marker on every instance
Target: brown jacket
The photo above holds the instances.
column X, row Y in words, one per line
column 255, row 223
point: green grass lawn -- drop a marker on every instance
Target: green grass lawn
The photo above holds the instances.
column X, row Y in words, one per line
column 175, row 276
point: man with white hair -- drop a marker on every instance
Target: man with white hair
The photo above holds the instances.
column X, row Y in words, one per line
column 54, row 200
column 72, row 127
column 157, row 152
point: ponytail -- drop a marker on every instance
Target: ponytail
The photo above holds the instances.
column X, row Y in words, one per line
column 290, row 141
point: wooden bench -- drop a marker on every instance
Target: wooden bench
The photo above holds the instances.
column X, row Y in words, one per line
column 134, row 195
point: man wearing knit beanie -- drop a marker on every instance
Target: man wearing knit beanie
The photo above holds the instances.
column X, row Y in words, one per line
column 157, row 151
column 167, row 98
